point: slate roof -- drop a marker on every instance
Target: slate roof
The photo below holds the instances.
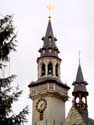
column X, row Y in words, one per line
column 49, row 42
column 79, row 76
column 50, row 80
column 87, row 120
column 85, row 117
column 90, row 121
column 79, row 84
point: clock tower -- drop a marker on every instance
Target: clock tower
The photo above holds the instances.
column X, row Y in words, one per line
column 48, row 93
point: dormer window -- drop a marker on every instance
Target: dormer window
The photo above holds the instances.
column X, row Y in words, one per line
column 43, row 51
column 50, row 38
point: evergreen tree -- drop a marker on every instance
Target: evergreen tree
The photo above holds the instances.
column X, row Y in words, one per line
column 7, row 94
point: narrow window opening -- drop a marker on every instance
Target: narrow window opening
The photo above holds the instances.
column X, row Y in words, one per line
column 50, row 38
column 77, row 100
column 43, row 70
column 41, row 116
column 56, row 69
column 35, row 123
column 46, row 121
column 61, row 123
column 83, row 99
column 54, row 122
column 50, row 69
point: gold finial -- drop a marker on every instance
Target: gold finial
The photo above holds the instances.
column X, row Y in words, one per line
column 50, row 8
column 49, row 17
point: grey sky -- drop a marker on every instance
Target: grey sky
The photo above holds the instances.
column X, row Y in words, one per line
column 73, row 25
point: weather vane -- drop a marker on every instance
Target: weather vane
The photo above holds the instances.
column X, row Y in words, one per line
column 50, row 8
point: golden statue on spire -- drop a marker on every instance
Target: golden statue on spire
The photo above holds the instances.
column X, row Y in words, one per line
column 50, row 8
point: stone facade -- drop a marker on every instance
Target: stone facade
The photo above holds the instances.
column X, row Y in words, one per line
column 55, row 97
column 74, row 117
column 54, row 114
column 49, row 94
column 46, row 61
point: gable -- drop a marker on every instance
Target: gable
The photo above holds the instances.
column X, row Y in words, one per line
column 74, row 117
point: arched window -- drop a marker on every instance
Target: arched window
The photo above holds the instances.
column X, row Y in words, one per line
column 50, row 69
column 56, row 69
column 43, row 69
column 77, row 100
column 83, row 99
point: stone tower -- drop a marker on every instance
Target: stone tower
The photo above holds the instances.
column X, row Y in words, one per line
column 48, row 93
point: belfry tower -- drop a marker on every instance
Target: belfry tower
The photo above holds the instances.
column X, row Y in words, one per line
column 48, row 93
column 80, row 93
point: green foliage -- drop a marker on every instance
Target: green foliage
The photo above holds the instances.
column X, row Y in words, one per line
column 7, row 94
column 7, row 37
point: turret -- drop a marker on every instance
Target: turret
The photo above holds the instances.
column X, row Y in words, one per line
column 80, row 92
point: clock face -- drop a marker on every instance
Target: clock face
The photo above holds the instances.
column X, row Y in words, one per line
column 41, row 105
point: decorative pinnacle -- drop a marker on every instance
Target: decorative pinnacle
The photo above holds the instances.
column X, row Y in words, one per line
column 49, row 17
column 79, row 56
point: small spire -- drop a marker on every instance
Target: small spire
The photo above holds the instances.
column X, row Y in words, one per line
column 79, row 56
column 49, row 43
column 49, row 40
column 79, row 76
column 80, row 91
column 49, row 31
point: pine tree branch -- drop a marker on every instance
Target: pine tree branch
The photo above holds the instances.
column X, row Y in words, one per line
column 7, row 37
column 7, row 94
column 18, row 119
column 4, row 82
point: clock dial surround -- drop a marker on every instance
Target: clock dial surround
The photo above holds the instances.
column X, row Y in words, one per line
column 41, row 105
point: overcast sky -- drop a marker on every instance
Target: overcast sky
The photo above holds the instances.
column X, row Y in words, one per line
column 73, row 25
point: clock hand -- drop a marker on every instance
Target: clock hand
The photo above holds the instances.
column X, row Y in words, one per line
column 41, row 105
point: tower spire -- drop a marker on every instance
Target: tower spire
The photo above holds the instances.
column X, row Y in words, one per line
column 49, row 42
column 80, row 91
column 79, row 76
column 48, row 88
column 79, row 56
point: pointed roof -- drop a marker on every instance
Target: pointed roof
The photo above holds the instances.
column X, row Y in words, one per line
column 49, row 31
column 79, row 76
column 49, row 41
column 79, row 84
